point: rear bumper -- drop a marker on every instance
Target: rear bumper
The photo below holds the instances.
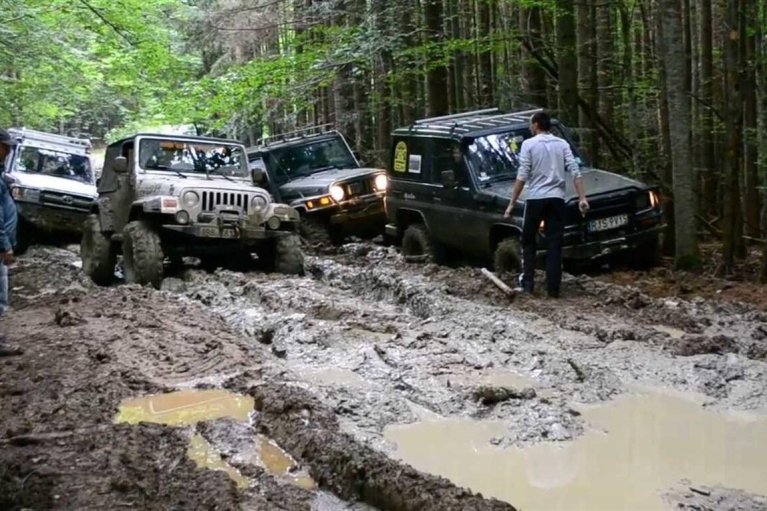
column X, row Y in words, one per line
column 596, row 249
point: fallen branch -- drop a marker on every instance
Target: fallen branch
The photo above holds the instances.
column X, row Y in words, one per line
column 498, row 282
column 578, row 371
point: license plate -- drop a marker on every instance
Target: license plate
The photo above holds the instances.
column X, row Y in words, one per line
column 228, row 232
column 611, row 222
column 214, row 232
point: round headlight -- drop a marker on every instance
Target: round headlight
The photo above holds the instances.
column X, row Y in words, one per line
column 337, row 193
column 190, row 199
column 381, row 182
column 182, row 217
column 258, row 203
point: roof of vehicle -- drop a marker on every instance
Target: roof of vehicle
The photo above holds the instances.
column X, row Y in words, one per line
column 165, row 136
column 289, row 138
column 51, row 140
column 474, row 123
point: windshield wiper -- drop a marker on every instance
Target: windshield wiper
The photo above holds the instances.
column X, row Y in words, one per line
column 222, row 175
column 165, row 167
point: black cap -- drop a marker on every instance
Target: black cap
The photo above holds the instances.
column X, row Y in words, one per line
column 6, row 138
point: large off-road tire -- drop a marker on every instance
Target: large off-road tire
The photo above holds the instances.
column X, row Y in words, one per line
column 508, row 257
column 316, row 233
column 97, row 252
column 288, row 255
column 645, row 256
column 417, row 244
column 142, row 254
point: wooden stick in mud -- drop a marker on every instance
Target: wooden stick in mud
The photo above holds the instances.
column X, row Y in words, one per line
column 498, row 282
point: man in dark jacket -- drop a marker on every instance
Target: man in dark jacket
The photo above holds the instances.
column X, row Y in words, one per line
column 8, row 219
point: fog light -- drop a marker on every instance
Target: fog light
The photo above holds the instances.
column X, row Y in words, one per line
column 273, row 223
column 182, row 217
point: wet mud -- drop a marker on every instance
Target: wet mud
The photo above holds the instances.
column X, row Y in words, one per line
column 330, row 373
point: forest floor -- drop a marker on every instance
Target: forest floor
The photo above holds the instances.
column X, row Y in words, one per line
column 369, row 366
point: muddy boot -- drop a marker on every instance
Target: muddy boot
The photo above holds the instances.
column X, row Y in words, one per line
column 8, row 350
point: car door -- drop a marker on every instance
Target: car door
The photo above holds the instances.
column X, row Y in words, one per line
column 457, row 222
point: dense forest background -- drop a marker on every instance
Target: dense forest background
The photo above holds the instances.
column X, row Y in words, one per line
column 670, row 91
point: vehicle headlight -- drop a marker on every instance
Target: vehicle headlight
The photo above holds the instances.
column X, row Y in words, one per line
column 190, row 199
column 654, row 199
column 337, row 193
column 381, row 182
column 25, row 194
column 259, row 203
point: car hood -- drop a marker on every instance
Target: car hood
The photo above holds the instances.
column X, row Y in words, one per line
column 171, row 185
column 55, row 184
column 595, row 182
column 319, row 182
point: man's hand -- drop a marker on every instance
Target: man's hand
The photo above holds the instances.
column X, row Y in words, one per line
column 507, row 213
column 583, row 205
column 8, row 258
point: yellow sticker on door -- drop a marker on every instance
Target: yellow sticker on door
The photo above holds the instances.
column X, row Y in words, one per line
column 400, row 157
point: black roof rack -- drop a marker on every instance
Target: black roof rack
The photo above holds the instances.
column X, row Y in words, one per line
column 468, row 122
column 297, row 134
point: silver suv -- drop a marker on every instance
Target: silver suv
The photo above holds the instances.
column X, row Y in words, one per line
column 167, row 196
column 52, row 182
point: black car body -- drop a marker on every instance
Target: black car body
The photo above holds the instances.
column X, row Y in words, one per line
column 316, row 172
column 450, row 179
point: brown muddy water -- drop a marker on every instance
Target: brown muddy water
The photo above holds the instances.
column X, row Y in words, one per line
column 636, row 448
column 188, row 407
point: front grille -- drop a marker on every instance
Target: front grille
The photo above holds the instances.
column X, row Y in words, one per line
column 66, row 200
column 212, row 200
column 359, row 187
column 603, row 207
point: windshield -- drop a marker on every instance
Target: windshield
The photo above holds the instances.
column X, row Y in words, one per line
column 310, row 158
column 35, row 160
column 193, row 157
column 496, row 157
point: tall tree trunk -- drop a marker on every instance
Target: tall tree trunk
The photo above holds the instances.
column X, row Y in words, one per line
column 708, row 168
column 686, row 255
column 535, row 76
column 734, row 112
column 485, row 58
column 567, row 62
column 629, row 81
column 587, row 74
column 751, row 199
column 381, row 85
column 667, row 178
column 436, row 76
column 605, row 54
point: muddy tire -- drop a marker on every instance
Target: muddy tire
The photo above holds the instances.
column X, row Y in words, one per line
column 508, row 257
column 288, row 256
column 417, row 244
column 97, row 252
column 142, row 254
column 317, row 233
column 645, row 256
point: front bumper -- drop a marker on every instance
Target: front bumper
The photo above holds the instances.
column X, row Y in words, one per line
column 363, row 211
column 605, row 247
column 227, row 232
column 52, row 218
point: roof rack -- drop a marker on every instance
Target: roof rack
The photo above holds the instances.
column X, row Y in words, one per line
column 52, row 138
column 457, row 116
column 303, row 132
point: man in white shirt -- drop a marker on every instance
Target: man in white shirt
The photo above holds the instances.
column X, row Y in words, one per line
column 544, row 161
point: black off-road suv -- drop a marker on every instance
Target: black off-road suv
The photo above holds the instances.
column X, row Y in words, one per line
column 316, row 172
column 451, row 179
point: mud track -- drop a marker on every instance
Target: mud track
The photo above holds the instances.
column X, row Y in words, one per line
column 363, row 342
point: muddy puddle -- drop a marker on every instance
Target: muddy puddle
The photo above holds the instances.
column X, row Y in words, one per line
column 185, row 408
column 188, row 407
column 635, row 449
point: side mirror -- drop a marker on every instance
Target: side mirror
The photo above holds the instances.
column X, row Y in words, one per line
column 120, row 165
column 448, row 179
column 258, row 176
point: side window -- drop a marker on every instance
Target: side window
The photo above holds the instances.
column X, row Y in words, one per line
column 409, row 159
column 108, row 180
column 129, row 152
column 448, row 155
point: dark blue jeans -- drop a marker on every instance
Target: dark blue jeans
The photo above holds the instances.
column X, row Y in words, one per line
column 552, row 212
